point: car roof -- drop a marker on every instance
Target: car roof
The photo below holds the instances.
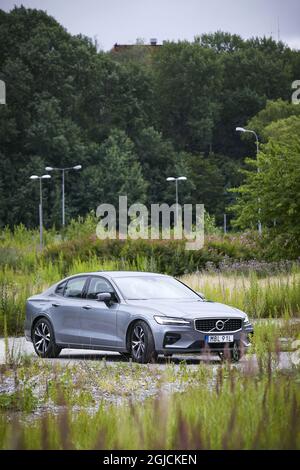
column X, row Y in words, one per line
column 116, row 274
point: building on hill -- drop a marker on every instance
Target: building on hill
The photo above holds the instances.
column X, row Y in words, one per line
column 125, row 47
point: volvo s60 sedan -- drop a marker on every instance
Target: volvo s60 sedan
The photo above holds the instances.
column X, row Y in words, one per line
column 137, row 314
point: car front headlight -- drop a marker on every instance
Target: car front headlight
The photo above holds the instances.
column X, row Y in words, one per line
column 246, row 320
column 170, row 321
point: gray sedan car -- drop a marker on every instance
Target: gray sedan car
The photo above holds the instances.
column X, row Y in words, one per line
column 137, row 314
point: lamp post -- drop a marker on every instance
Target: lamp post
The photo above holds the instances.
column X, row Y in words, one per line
column 249, row 131
column 180, row 178
column 40, row 178
column 76, row 168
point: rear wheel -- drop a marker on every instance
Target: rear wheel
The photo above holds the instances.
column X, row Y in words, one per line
column 142, row 343
column 43, row 339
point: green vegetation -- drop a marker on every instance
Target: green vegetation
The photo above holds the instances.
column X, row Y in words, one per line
column 272, row 191
column 226, row 272
column 273, row 296
column 120, row 405
column 139, row 116
column 267, row 412
column 131, row 120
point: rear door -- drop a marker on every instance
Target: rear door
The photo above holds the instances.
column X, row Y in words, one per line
column 99, row 319
column 66, row 306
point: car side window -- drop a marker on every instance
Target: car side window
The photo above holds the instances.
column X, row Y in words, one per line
column 74, row 288
column 60, row 288
column 99, row 285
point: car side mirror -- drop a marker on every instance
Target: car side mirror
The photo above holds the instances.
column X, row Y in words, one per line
column 104, row 297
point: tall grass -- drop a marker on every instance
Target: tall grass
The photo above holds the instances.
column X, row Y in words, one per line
column 237, row 412
column 252, row 406
column 273, row 296
column 221, row 408
column 25, row 271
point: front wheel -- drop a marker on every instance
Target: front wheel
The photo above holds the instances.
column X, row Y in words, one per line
column 43, row 339
column 142, row 343
column 235, row 353
column 231, row 355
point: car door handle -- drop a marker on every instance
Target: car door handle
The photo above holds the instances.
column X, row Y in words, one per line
column 55, row 305
column 87, row 307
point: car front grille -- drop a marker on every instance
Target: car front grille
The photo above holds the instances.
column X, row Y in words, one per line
column 210, row 324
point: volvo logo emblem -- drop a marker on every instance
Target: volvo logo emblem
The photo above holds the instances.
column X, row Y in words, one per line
column 220, row 325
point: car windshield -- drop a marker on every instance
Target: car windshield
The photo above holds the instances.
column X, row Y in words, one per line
column 154, row 287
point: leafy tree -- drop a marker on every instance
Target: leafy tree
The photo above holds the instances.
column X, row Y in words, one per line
column 273, row 112
column 221, row 42
column 208, row 183
column 275, row 188
column 188, row 79
column 164, row 111
column 116, row 172
column 157, row 158
column 284, row 130
column 253, row 72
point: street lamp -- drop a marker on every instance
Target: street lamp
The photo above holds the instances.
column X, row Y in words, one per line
column 180, row 178
column 76, row 168
column 242, row 129
column 40, row 178
column 249, row 131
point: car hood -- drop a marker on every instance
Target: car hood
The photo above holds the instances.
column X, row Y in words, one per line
column 188, row 309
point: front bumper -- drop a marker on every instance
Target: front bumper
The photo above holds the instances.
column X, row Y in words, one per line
column 186, row 339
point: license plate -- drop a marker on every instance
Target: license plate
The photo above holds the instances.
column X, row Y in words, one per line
column 219, row 339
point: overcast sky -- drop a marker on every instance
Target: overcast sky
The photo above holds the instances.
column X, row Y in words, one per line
column 123, row 21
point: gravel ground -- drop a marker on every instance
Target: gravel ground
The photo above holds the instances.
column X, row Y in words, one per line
column 19, row 346
column 106, row 377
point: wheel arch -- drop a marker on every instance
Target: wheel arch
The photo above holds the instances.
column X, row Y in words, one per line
column 130, row 327
column 36, row 319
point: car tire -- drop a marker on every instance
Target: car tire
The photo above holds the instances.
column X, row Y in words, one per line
column 43, row 339
column 142, row 343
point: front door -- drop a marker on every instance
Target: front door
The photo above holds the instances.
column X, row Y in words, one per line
column 99, row 319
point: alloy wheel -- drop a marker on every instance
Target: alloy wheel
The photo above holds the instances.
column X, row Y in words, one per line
column 42, row 337
column 138, row 342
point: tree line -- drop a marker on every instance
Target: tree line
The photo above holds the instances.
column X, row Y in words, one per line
column 130, row 118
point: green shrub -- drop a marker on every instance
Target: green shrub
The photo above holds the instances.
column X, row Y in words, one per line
column 21, row 400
